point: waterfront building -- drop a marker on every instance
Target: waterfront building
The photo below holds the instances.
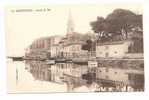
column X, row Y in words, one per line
column 41, row 43
column 44, row 47
column 55, row 51
column 70, row 45
column 54, row 40
column 39, row 49
column 55, row 46
column 74, row 50
column 116, row 49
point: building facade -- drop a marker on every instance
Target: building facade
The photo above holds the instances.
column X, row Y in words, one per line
column 55, row 46
column 39, row 49
column 74, row 50
column 116, row 49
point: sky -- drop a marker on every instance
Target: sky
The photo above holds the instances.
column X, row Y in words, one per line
column 22, row 27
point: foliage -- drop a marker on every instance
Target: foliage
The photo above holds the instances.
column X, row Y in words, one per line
column 90, row 46
column 117, row 23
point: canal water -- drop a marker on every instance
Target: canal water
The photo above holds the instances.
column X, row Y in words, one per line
column 20, row 80
column 39, row 76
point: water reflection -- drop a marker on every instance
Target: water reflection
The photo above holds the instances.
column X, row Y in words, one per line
column 81, row 78
column 39, row 70
column 59, row 73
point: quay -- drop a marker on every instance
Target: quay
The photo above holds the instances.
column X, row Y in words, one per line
column 72, row 60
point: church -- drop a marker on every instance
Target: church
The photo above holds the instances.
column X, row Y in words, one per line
column 71, row 44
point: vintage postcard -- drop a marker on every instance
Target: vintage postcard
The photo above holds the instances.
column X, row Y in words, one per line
column 74, row 48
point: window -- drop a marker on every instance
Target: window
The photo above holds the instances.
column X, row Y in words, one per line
column 115, row 52
column 107, row 54
column 142, row 65
column 106, row 47
column 107, row 70
column 107, row 77
column 62, row 66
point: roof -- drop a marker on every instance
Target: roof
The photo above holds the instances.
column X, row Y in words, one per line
column 112, row 43
column 74, row 43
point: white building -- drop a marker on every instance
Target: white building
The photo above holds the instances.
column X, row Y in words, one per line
column 55, row 50
column 55, row 46
column 116, row 49
column 39, row 48
column 41, row 43
column 74, row 50
column 59, row 48
column 55, row 40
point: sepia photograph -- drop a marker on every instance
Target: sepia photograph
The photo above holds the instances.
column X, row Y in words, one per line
column 74, row 48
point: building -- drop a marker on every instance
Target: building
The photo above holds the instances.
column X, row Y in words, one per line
column 41, row 43
column 70, row 25
column 58, row 44
column 70, row 45
column 54, row 40
column 73, row 50
column 55, row 46
column 44, row 47
column 55, row 51
column 39, row 49
column 117, row 49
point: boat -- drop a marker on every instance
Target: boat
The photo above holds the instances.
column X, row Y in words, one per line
column 50, row 61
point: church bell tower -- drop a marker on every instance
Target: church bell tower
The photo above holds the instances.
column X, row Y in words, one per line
column 70, row 24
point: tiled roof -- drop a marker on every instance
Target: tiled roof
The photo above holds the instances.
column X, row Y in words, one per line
column 112, row 43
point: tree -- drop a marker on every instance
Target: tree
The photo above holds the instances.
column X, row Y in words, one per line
column 138, row 21
column 116, row 25
column 90, row 45
column 121, row 21
column 99, row 26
